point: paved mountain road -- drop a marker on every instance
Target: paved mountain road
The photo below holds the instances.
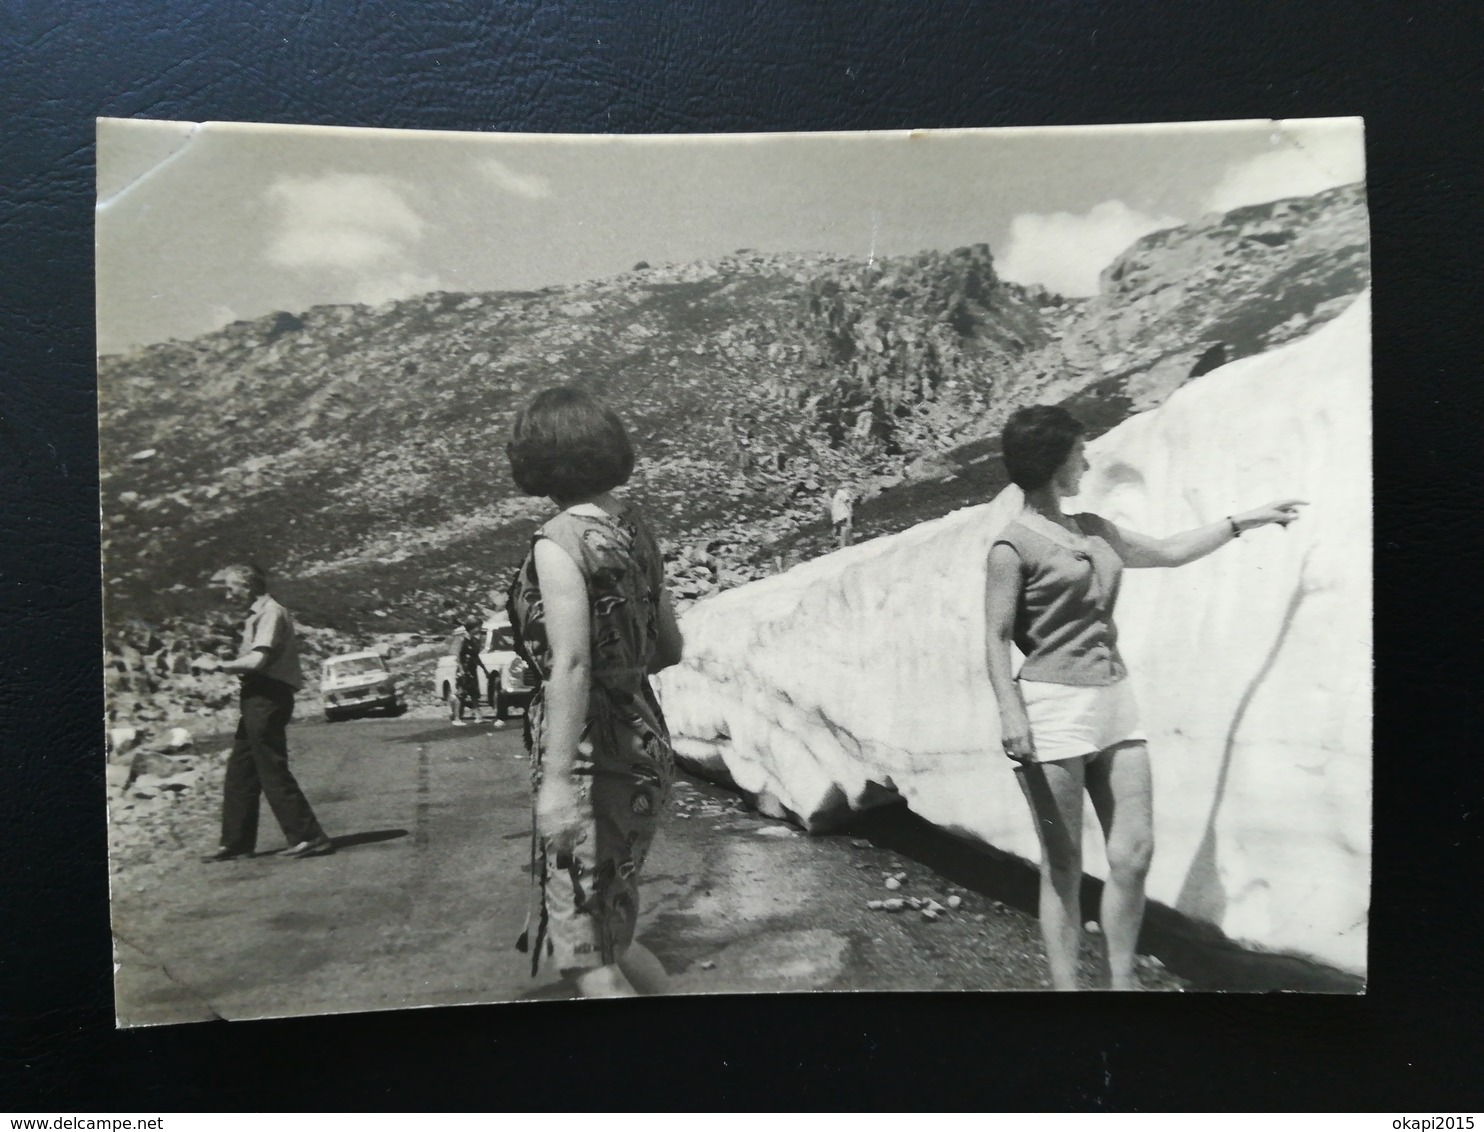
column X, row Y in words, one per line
column 424, row 898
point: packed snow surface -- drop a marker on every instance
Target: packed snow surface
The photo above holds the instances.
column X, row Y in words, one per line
column 860, row 676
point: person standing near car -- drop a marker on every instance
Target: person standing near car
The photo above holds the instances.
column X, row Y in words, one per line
column 268, row 667
column 470, row 665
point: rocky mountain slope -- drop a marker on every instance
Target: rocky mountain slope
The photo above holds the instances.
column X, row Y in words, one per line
column 1181, row 302
column 1177, row 304
column 357, row 452
column 346, row 440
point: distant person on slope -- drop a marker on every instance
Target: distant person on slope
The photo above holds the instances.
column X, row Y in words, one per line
column 259, row 764
column 1068, row 717
column 470, row 665
column 593, row 619
column 842, row 515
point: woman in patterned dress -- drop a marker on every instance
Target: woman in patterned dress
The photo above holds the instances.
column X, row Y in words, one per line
column 594, row 620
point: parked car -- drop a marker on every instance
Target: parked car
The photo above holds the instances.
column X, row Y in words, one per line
column 358, row 682
column 510, row 683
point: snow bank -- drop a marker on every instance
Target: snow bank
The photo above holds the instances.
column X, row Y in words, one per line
column 860, row 676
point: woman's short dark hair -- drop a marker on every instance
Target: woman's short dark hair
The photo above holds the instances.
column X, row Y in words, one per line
column 568, row 445
column 1037, row 440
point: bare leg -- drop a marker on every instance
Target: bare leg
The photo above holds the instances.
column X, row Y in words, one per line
column 605, row 982
column 645, row 973
column 1054, row 792
column 1119, row 783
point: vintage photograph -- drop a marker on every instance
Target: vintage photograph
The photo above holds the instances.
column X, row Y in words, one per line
column 551, row 566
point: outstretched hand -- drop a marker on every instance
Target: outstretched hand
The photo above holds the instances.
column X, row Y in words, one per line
column 1282, row 512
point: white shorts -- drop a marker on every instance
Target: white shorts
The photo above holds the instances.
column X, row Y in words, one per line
column 1071, row 720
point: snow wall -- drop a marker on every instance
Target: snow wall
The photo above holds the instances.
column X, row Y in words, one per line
column 860, row 676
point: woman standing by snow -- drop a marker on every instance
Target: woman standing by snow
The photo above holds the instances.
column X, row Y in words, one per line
column 593, row 618
column 1069, row 717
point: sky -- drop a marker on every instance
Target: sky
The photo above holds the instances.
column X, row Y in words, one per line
column 202, row 224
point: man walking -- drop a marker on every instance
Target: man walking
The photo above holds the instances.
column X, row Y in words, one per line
column 259, row 763
column 842, row 515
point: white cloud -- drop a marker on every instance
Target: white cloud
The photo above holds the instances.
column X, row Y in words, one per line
column 353, row 228
column 532, row 186
column 1065, row 251
column 345, row 246
column 1305, row 158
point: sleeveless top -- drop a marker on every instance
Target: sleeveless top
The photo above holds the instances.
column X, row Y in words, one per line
column 621, row 564
column 1069, row 585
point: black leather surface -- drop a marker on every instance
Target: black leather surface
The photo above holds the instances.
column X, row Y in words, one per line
column 1412, row 70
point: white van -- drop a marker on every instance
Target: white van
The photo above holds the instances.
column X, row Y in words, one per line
column 357, row 682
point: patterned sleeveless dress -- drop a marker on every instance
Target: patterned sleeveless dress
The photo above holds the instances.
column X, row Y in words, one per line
column 584, row 907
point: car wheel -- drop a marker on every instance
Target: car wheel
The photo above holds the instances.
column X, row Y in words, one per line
column 330, row 716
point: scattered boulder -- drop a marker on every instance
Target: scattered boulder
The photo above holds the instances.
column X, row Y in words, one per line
column 151, row 763
column 929, row 467
column 122, row 741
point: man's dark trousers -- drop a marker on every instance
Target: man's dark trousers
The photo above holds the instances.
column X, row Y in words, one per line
column 259, row 764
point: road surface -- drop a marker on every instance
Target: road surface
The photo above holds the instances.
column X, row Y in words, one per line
column 426, row 894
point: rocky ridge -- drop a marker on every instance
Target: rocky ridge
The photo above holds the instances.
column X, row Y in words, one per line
column 1184, row 301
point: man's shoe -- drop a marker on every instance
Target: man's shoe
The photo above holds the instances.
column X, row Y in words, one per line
column 319, row 847
column 226, row 855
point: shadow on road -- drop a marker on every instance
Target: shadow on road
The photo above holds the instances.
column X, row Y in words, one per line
column 1192, row 950
column 370, row 837
column 446, row 730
